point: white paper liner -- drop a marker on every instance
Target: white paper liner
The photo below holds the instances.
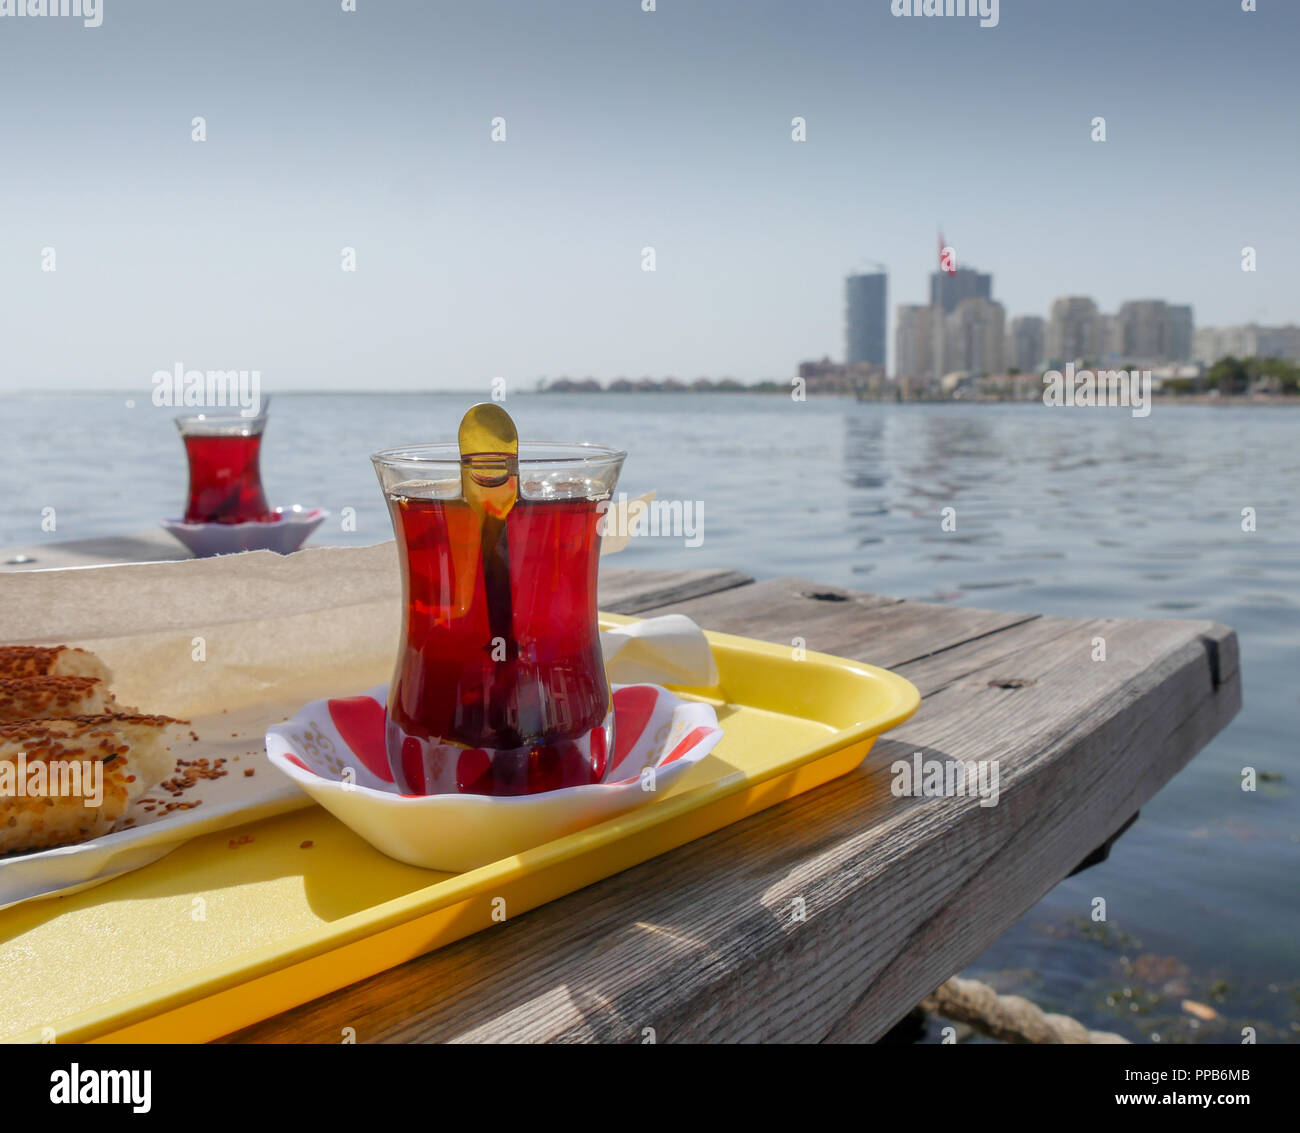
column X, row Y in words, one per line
column 234, row 645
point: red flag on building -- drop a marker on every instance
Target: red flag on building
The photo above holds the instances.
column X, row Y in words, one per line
column 950, row 265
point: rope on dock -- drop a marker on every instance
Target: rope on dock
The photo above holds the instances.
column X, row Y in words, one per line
column 1009, row 1018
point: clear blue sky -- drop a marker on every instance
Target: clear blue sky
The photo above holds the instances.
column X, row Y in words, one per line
column 625, row 129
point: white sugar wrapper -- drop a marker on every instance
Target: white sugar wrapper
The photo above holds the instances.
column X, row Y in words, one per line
column 667, row 650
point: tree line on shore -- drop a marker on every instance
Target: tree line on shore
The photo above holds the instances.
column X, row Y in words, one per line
column 1232, row 376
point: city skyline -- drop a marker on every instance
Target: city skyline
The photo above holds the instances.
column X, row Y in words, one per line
column 1148, row 331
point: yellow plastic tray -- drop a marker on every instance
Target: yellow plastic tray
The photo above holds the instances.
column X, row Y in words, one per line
column 210, row 939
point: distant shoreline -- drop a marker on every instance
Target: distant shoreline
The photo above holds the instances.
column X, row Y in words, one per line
column 1277, row 400
column 775, row 390
column 1271, row 400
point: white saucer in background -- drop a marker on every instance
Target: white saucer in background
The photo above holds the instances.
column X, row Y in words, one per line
column 283, row 535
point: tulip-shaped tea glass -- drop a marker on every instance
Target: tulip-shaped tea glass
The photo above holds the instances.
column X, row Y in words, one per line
column 225, row 468
column 499, row 687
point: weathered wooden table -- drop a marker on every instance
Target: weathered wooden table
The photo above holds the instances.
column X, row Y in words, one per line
column 898, row 894
column 703, row 944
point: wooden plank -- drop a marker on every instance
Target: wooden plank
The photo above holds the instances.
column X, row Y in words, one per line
column 866, row 627
column 1110, row 757
column 624, row 591
column 703, row 944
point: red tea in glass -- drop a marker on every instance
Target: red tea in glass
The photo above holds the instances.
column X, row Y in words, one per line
column 224, row 455
column 499, row 687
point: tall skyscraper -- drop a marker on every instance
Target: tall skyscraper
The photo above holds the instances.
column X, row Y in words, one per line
column 1074, row 331
column 1179, row 327
column 947, row 290
column 972, row 338
column 1025, row 344
column 1107, row 339
column 865, row 318
column 1142, row 330
column 913, row 341
column 1151, row 330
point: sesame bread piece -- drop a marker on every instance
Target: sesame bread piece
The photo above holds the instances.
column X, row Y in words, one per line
column 25, row 698
column 51, row 661
column 130, row 750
